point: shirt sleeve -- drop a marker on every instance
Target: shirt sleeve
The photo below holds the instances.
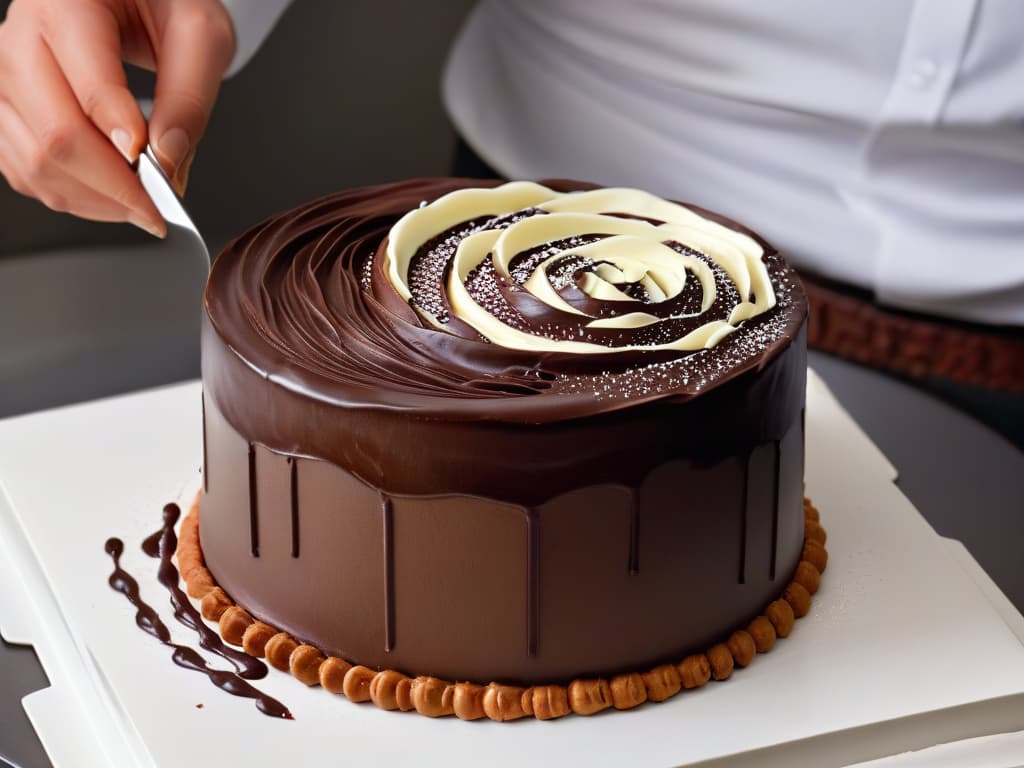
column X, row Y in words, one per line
column 253, row 21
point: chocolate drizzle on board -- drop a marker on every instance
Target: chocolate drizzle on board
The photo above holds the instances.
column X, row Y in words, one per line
column 149, row 621
column 162, row 544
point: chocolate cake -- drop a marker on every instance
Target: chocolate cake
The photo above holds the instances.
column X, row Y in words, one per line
column 517, row 433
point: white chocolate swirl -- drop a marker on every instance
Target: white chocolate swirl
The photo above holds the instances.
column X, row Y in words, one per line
column 621, row 253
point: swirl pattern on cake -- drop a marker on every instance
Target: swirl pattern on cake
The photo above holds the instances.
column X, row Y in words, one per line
column 586, row 272
column 465, row 301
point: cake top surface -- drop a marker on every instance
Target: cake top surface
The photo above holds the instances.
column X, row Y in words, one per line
column 457, row 298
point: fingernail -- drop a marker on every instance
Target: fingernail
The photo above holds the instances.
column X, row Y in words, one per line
column 158, row 231
column 123, row 141
column 173, row 147
column 180, row 180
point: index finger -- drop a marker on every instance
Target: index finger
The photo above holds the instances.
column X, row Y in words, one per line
column 69, row 140
column 87, row 46
column 194, row 52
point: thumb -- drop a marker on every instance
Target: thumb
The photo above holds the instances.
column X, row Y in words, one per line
column 196, row 45
column 86, row 42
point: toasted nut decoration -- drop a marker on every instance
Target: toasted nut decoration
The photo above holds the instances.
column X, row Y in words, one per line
column 469, row 701
column 278, row 650
column 816, row 555
column 188, row 558
column 255, row 638
column 694, row 670
column 799, row 598
column 526, row 702
column 304, row 663
column 332, row 674
column 810, row 511
column 384, row 688
column 433, row 697
column 662, row 682
column 628, row 691
column 233, row 623
column 199, row 583
column 589, row 696
column 188, row 544
column 214, row 603
column 190, row 523
column 503, row 702
column 356, row 685
column 448, row 699
column 720, row 659
column 741, row 646
column 780, row 614
column 814, row 532
column 546, row 702
column 807, row 576
column 403, row 694
column 763, row 632
column 189, row 571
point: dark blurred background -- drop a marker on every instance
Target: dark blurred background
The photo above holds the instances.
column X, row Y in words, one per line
column 341, row 94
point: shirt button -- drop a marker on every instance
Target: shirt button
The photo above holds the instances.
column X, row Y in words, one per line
column 923, row 73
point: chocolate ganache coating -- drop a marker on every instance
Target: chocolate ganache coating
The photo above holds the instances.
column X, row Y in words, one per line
column 484, row 445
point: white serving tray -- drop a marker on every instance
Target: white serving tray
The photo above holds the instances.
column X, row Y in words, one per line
column 908, row 644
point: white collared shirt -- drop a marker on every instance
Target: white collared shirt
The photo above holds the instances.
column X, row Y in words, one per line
column 878, row 142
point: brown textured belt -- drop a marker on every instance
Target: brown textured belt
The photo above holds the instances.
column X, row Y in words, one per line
column 844, row 324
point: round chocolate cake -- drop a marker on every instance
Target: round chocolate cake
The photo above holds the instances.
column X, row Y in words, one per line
column 520, row 433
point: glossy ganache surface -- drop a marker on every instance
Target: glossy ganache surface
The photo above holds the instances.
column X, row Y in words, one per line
column 446, row 417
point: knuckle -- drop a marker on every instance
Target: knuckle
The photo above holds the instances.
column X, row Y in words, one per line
column 58, row 142
column 130, row 197
column 189, row 112
column 54, row 201
column 209, row 20
column 93, row 98
column 38, row 167
column 18, row 12
column 16, row 183
column 189, row 102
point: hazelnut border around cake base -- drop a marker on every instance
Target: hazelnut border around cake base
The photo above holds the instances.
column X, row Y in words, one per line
column 393, row 690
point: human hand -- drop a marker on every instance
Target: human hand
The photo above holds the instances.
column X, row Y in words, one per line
column 65, row 104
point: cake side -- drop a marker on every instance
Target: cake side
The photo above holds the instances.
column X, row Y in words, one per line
column 428, row 695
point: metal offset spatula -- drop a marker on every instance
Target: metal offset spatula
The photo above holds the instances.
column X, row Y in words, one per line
column 181, row 231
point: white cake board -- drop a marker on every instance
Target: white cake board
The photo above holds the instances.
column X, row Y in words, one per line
column 908, row 644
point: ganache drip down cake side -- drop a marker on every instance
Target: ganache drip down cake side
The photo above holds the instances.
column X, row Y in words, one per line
column 522, row 433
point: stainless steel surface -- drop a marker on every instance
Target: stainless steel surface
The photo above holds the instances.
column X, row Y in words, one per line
column 182, row 233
